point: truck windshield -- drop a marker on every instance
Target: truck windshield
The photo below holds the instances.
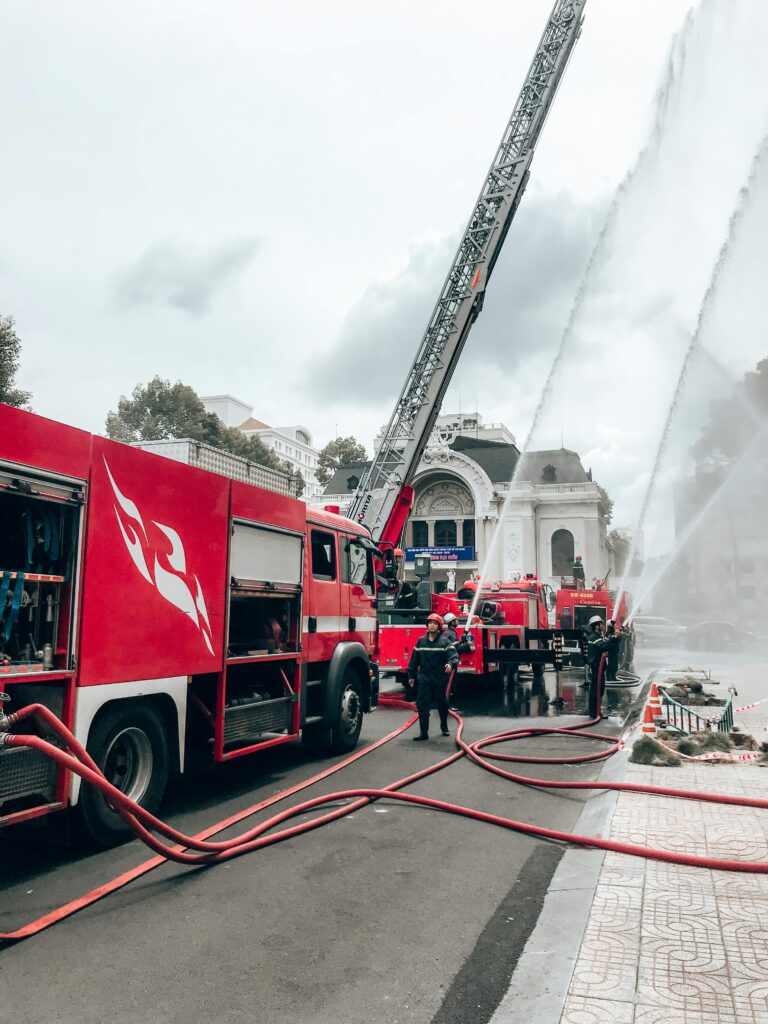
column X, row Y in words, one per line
column 582, row 613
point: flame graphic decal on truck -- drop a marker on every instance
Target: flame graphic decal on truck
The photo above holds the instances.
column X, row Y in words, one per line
column 171, row 582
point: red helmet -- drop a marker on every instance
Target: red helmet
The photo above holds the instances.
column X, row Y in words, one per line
column 434, row 617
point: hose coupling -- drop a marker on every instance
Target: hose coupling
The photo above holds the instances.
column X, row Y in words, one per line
column 6, row 739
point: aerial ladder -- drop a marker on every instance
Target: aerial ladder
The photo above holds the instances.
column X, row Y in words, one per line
column 383, row 498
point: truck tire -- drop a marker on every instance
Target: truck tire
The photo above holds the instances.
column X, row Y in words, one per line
column 130, row 746
column 348, row 721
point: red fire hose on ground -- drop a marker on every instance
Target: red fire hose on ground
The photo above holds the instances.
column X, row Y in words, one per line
column 200, row 850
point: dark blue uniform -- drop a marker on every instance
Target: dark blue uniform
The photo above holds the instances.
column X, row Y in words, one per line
column 427, row 667
column 596, row 646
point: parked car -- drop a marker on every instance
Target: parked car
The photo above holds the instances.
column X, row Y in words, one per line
column 656, row 630
column 718, row 636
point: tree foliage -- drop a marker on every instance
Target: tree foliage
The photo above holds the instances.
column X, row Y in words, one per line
column 341, row 452
column 605, row 504
column 160, row 410
column 297, row 477
column 10, row 351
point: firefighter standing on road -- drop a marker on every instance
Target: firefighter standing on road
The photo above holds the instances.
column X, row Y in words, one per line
column 433, row 659
column 597, row 644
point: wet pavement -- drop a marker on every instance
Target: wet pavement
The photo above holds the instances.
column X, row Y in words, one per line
column 550, row 696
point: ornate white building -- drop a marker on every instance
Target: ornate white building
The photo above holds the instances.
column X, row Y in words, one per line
column 553, row 511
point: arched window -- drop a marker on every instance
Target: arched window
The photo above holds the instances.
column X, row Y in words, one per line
column 562, row 553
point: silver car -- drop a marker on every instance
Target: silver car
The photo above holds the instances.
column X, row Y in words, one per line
column 655, row 630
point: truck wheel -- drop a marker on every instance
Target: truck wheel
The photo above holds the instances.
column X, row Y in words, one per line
column 345, row 730
column 130, row 747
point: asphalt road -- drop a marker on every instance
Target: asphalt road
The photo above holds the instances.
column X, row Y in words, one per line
column 392, row 914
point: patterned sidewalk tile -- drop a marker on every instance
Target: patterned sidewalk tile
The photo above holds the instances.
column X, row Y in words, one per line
column 672, row 944
column 677, row 876
column 670, row 954
column 662, row 984
column 619, row 870
column 679, row 1015
column 597, row 1011
column 752, row 998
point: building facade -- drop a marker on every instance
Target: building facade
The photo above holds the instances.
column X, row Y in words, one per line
column 469, row 516
column 292, row 444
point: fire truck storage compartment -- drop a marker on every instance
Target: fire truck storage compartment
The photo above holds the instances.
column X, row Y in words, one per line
column 39, row 533
column 28, row 776
column 258, row 700
column 264, row 632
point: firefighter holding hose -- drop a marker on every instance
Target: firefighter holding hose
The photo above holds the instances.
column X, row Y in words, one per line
column 597, row 645
column 433, row 659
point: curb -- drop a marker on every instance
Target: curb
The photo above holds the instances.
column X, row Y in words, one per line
column 539, row 986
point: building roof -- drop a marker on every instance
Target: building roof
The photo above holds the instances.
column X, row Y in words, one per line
column 254, row 424
column 496, row 459
column 553, row 466
column 339, row 482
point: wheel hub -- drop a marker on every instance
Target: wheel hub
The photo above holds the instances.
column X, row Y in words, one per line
column 128, row 762
column 350, row 709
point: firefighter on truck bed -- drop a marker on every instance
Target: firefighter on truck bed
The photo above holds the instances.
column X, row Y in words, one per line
column 433, row 659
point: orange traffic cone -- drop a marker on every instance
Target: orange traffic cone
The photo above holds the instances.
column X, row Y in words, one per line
column 649, row 729
column 654, row 702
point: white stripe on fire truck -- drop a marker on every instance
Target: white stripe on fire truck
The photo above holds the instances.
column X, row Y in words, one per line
column 340, row 624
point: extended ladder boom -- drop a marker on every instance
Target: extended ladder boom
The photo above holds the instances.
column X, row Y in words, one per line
column 375, row 502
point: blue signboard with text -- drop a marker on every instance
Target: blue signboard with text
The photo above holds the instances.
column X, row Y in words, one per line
column 454, row 554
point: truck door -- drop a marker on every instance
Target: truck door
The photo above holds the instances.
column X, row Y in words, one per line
column 357, row 592
column 322, row 611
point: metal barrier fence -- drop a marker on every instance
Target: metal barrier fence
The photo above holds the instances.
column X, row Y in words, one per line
column 687, row 720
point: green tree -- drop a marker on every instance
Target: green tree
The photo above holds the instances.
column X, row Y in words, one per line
column 619, row 543
column 10, row 350
column 160, row 410
column 297, row 477
column 341, row 452
column 605, row 503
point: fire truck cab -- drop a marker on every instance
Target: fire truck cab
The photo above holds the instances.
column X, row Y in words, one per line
column 575, row 606
column 163, row 611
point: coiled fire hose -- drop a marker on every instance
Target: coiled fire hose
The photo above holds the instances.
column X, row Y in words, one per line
column 144, row 824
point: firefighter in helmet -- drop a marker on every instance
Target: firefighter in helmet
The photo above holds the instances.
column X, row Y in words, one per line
column 597, row 645
column 433, row 659
column 451, row 630
column 450, row 622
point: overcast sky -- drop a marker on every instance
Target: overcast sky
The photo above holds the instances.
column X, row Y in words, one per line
column 263, row 200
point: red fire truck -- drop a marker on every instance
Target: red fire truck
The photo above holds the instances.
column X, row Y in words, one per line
column 159, row 609
column 574, row 607
column 510, row 626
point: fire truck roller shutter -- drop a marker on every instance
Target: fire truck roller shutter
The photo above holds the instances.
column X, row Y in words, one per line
column 347, row 696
